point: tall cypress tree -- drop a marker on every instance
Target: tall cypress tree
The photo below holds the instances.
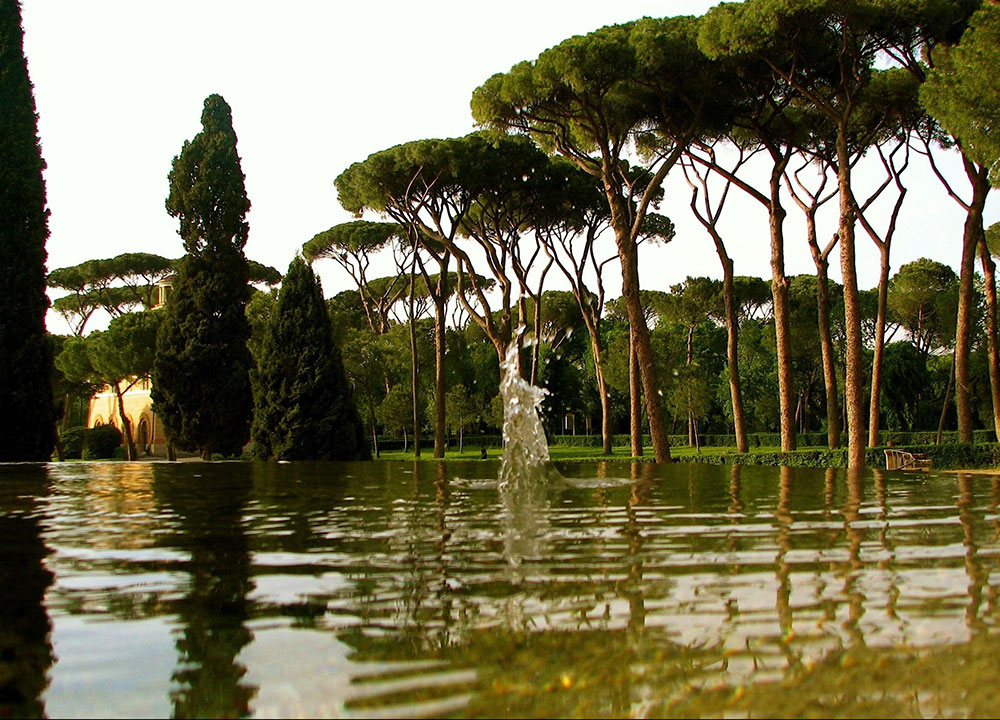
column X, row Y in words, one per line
column 304, row 408
column 27, row 419
column 201, row 381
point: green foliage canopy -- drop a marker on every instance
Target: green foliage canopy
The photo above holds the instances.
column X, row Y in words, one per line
column 304, row 408
column 201, row 387
column 963, row 90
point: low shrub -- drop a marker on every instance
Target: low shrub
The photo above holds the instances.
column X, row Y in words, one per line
column 72, row 442
column 99, row 443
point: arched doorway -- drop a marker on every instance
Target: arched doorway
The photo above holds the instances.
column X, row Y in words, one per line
column 142, row 436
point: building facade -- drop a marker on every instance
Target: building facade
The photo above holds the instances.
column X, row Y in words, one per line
column 147, row 431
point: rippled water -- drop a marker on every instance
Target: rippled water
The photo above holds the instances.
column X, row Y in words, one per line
column 403, row 590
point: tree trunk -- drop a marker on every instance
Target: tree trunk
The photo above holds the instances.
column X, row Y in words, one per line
column 829, row 358
column 67, row 411
column 973, row 231
column 440, row 420
column 947, row 399
column 536, row 348
column 602, row 389
column 989, row 275
column 733, row 356
column 779, row 294
column 853, row 383
column 635, row 398
column 643, row 349
column 876, row 390
column 414, row 370
column 126, row 425
column 692, row 441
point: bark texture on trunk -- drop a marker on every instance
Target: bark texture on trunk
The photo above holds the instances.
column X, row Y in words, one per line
column 733, row 357
column 127, row 426
column 989, row 275
column 779, row 294
column 602, row 389
column 876, row 389
column 853, row 381
column 829, row 358
column 972, row 232
column 643, row 349
column 635, row 399
column 440, row 442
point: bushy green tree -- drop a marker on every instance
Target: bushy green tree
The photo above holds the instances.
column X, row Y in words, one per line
column 123, row 355
column 27, row 423
column 201, row 387
column 304, row 408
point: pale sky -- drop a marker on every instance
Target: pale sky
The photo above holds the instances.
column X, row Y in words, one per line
column 316, row 86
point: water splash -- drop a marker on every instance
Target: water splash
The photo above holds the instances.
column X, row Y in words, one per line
column 526, row 452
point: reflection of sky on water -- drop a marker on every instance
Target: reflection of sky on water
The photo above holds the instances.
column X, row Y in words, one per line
column 123, row 668
column 293, row 590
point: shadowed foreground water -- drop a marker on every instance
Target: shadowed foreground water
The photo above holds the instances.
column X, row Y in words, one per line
column 407, row 590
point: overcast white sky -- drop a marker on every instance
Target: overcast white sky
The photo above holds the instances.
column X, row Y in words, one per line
column 315, row 86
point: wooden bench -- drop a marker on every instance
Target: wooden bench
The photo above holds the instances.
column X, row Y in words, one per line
column 905, row 460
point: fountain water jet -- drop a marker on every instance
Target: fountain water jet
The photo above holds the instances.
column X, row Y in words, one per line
column 526, row 451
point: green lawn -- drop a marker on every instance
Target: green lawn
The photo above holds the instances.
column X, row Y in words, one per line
column 569, row 452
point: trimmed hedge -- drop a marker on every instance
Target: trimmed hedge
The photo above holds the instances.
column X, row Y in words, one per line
column 949, row 456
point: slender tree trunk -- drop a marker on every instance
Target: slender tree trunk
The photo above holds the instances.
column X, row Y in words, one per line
column 989, row 275
column 126, row 425
column 67, row 410
column 829, row 357
column 853, row 382
column 440, row 420
column 966, row 299
column 536, row 348
column 779, row 294
column 374, row 426
column 947, row 400
column 733, row 356
column 876, row 390
column 635, row 398
column 692, row 441
column 602, row 389
column 414, row 370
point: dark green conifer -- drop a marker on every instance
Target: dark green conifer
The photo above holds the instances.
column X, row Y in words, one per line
column 27, row 419
column 304, row 406
column 201, row 381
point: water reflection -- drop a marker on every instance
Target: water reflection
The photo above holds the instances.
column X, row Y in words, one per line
column 424, row 589
column 25, row 649
column 214, row 609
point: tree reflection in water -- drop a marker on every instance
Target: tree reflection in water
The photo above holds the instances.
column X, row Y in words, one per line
column 25, row 649
column 215, row 609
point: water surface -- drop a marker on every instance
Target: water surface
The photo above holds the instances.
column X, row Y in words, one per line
column 419, row 589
